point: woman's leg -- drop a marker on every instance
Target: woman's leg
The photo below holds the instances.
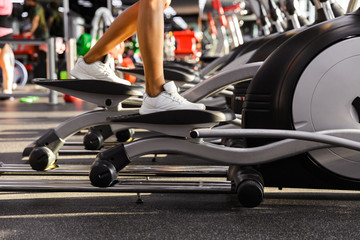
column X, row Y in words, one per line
column 150, row 32
column 121, row 29
column 159, row 96
column 145, row 17
column 7, row 69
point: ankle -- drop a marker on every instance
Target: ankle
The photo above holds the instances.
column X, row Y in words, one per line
column 154, row 88
column 153, row 93
column 90, row 60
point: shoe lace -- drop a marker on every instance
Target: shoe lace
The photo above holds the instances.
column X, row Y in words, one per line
column 106, row 70
column 177, row 97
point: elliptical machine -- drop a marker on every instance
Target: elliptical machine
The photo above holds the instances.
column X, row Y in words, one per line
column 312, row 87
column 287, row 92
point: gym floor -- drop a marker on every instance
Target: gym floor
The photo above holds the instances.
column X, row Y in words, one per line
column 285, row 214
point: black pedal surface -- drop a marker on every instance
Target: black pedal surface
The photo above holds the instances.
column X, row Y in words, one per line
column 92, row 86
column 178, row 117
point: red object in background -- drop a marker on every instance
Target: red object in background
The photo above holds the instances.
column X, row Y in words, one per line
column 211, row 23
column 22, row 49
column 186, row 42
column 68, row 98
column 233, row 8
column 27, row 53
column 76, row 101
column 128, row 63
column 216, row 4
column 29, row 67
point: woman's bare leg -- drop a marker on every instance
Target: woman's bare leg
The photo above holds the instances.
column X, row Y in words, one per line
column 7, row 69
column 121, row 29
column 151, row 40
column 145, row 17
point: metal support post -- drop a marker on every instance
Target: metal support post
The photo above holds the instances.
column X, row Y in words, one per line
column 51, row 68
column 71, row 55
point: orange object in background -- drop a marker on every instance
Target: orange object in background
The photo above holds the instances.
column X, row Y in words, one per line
column 128, row 63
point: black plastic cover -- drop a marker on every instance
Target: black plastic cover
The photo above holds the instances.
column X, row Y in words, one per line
column 178, row 117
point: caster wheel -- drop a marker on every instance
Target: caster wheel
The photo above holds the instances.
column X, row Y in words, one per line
column 125, row 135
column 42, row 159
column 102, row 174
column 93, row 140
column 250, row 193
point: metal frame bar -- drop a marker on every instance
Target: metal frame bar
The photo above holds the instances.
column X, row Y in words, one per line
column 247, row 156
column 131, row 170
column 140, row 186
column 220, row 81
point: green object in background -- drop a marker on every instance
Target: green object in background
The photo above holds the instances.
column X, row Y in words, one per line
column 63, row 75
column 83, row 44
column 29, row 99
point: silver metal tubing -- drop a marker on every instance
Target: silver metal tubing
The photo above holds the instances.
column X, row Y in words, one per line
column 124, row 186
column 227, row 155
column 66, row 19
column 295, row 21
column 238, row 29
column 352, row 6
column 237, row 122
column 88, row 119
column 329, row 14
column 278, row 26
column 51, row 68
column 214, row 65
column 317, row 4
column 71, row 55
column 220, row 81
column 25, row 94
column 25, row 41
column 131, row 170
column 327, row 137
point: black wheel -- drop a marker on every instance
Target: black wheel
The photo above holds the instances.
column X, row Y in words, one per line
column 102, row 174
column 106, row 166
column 248, row 185
column 124, row 135
column 93, row 140
column 42, row 159
column 250, row 193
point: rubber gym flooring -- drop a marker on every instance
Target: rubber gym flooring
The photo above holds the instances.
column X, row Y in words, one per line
column 286, row 214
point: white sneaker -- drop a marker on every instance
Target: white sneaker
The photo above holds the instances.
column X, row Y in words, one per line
column 169, row 99
column 97, row 70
